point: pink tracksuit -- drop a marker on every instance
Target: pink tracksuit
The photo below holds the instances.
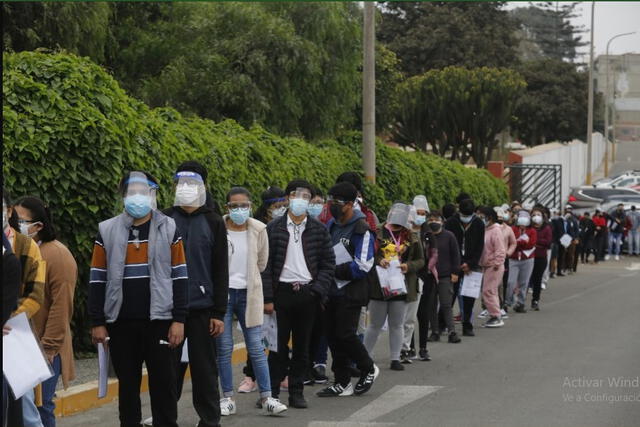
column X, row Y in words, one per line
column 492, row 261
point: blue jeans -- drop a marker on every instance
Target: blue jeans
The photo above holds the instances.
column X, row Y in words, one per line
column 253, row 340
column 634, row 242
column 615, row 241
column 48, row 392
column 30, row 414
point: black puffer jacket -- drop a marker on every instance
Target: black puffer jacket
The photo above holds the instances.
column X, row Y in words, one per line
column 318, row 253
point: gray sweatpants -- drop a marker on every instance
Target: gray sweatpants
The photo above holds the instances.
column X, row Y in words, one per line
column 410, row 320
column 519, row 274
column 378, row 313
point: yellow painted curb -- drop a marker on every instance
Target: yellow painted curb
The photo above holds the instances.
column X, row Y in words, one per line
column 83, row 397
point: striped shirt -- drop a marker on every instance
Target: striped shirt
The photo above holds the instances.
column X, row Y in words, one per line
column 136, row 291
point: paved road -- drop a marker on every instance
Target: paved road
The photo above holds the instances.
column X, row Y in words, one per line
column 627, row 157
column 543, row 368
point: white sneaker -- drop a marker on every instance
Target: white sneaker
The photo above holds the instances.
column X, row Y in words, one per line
column 148, row 422
column 607, row 257
column 227, row 406
column 503, row 314
column 617, row 257
column 544, row 286
column 273, row 406
column 483, row 314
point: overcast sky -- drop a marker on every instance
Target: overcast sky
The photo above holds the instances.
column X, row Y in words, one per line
column 611, row 18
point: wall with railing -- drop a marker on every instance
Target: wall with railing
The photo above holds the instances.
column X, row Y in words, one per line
column 572, row 156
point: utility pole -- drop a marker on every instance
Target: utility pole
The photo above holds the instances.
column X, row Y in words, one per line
column 590, row 111
column 369, row 94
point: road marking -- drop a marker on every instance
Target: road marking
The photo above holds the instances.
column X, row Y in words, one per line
column 395, row 398
column 634, row 266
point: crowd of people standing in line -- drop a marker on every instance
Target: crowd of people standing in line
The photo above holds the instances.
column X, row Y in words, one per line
column 333, row 275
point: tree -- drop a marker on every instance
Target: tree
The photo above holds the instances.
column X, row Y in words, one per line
column 550, row 28
column 457, row 110
column 554, row 105
column 428, row 35
column 78, row 27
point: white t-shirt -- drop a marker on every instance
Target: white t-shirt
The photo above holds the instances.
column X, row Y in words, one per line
column 295, row 266
column 238, row 252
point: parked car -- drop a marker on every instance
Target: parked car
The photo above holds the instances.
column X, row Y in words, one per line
column 628, row 178
column 591, row 197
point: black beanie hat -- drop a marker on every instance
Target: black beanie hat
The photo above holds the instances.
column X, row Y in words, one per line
column 344, row 191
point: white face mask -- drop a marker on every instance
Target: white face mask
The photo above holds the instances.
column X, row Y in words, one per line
column 537, row 219
column 24, row 229
column 523, row 221
column 186, row 194
column 278, row 212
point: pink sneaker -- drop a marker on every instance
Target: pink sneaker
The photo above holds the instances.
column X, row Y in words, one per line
column 247, row 385
column 284, row 385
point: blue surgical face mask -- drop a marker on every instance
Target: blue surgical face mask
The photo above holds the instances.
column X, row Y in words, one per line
column 420, row 219
column 239, row 215
column 137, row 205
column 314, row 209
column 298, row 206
column 278, row 212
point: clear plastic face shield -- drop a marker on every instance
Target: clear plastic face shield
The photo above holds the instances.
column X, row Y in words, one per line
column 190, row 190
column 139, row 195
column 299, row 201
column 399, row 215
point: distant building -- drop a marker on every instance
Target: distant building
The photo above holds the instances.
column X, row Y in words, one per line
column 624, row 92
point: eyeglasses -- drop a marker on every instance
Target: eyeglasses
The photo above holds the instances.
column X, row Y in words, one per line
column 239, row 205
column 338, row 202
column 27, row 221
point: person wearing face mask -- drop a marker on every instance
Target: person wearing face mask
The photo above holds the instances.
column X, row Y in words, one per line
column 300, row 269
column 417, row 218
column 469, row 232
column 616, row 225
column 31, row 295
column 521, row 262
column 316, row 204
column 274, row 205
column 561, row 226
column 442, row 258
column 52, row 321
column 205, row 244
column 544, row 236
column 587, row 229
column 137, row 305
column 492, row 262
column 510, row 245
column 348, row 293
column 396, row 242
column 600, row 237
column 248, row 300
column 359, row 205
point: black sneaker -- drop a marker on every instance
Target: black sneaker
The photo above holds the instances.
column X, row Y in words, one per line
column 320, row 374
column 433, row 337
column 424, row 355
column 535, row 306
column 454, row 338
column 336, row 390
column 494, row 322
column 309, row 380
column 520, row 308
column 366, row 381
column 467, row 331
column 404, row 358
column 396, row 366
column 560, row 275
column 297, row 401
column 411, row 354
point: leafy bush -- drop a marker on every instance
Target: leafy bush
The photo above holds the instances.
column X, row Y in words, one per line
column 70, row 131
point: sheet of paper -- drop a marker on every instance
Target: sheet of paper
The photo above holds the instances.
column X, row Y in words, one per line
column 528, row 252
column 471, row 284
column 184, row 358
column 103, row 370
column 23, row 363
column 270, row 332
column 566, row 240
column 342, row 257
column 396, row 278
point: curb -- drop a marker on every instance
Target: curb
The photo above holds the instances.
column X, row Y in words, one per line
column 83, row 397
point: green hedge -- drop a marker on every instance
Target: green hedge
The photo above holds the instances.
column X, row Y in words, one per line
column 70, row 131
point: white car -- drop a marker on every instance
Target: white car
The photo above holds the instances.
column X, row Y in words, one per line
column 625, row 180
